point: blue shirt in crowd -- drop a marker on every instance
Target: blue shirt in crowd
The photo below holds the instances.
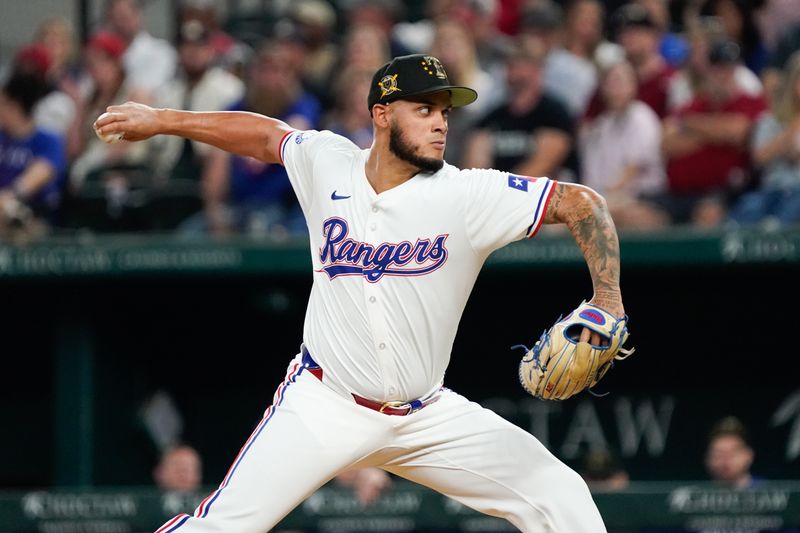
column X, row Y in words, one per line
column 17, row 154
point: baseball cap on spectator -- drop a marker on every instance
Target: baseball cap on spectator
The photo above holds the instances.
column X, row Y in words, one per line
column 34, row 58
column 107, row 42
column 724, row 52
column 193, row 31
column 632, row 16
column 314, row 13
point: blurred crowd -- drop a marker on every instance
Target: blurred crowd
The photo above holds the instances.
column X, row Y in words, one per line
column 680, row 113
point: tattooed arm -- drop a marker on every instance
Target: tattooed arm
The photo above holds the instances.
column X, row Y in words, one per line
column 586, row 215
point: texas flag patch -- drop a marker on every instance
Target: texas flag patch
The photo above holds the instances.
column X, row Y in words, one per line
column 518, row 182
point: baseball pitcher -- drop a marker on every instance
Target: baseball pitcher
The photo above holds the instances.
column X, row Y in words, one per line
column 397, row 239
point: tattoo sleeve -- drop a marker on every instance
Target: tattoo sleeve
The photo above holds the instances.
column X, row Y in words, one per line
column 586, row 215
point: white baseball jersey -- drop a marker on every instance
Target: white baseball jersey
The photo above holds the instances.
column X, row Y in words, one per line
column 393, row 271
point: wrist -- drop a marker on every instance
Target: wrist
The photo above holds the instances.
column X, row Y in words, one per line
column 19, row 192
column 164, row 118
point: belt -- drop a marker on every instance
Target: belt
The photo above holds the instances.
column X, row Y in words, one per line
column 386, row 408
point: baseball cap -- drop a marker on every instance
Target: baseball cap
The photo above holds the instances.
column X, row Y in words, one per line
column 107, row 42
column 414, row 75
column 34, row 57
column 632, row 16
column 723, row 53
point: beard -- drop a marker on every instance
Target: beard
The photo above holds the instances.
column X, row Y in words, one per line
column 405, row 151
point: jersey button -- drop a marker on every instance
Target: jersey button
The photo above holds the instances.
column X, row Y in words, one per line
column 374, row 208
column 372, row 299
column 372, row 227
column 382, row 346
column 392, row 390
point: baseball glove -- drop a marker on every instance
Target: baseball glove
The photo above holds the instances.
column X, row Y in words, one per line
column 560, row 366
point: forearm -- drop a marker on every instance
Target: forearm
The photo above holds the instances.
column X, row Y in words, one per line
column 778, row 146
column 676, row 143
column 586, row 215
column 237, row 132
column 551, row 149
column 36, row 176
column 730, row 128
column 480, row 151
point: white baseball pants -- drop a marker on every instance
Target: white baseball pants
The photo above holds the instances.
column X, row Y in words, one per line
column 310, row 434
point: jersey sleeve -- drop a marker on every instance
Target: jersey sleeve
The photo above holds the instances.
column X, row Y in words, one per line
column 50, row 147
column 502, row 208
column 299, row 151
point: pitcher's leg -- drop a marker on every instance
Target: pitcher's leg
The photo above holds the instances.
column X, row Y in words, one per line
column 483, row 461
column 306, row 437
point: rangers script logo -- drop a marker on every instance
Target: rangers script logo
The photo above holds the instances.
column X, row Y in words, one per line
column 347, row 257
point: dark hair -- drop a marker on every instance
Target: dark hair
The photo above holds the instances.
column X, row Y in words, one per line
column 729, row 426
column 750, row 39
column 25, row 89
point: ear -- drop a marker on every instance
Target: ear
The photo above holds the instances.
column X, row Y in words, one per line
column 380, row 115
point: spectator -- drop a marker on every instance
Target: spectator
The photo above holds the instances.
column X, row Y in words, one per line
column 149, row 62
column 621, row 153
column 685, row 84
column 367, row 483
column 787, row 44
column 199, row 86
column 58, row 37
column 55, row 111
column 380, row 14
column 584, row 33
column 365, row 47
column 640, row 38
column 774, row 17
column 32, row 162
column 738, row 24
column 482, row 19
column 230, row 54
column 728, row 460
column 531, row 133
column 241, row 194
column 349, row 116
column 454, row 47
column 603, row 471
column 775, row 150
column 90, row 156
column 729, row 455
column 706, row 143
column 315, row 21
column 179, row 469
column 673, row 46
column 568, row 75
column 179, row 164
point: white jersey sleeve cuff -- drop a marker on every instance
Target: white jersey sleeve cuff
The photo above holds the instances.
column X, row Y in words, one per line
column 541, row 208
column 282, row 145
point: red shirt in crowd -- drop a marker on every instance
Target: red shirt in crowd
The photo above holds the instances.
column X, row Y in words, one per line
column 712, row 166
column 652, row 92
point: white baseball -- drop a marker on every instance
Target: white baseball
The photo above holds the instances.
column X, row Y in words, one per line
column 107, row 137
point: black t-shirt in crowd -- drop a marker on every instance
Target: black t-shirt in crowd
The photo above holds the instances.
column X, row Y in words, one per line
column 512, row 134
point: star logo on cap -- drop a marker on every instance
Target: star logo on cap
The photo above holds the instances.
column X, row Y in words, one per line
column 433, row 66
column 388, row 85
